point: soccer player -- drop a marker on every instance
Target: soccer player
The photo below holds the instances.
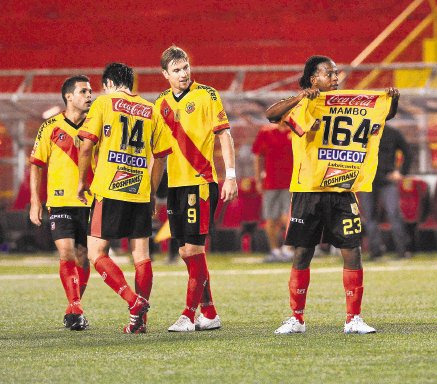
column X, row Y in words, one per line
column 126, row 131
column 273, row 142
column 335, row 149
column 57, row 147
column 194, row 115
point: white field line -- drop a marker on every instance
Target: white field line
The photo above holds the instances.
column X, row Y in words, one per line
column 239, row 272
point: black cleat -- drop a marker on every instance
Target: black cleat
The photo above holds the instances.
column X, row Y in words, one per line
column 75, row 322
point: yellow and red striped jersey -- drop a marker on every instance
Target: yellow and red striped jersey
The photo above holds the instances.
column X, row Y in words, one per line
column 336, row 140
column 127, row 131
column 57, row 146
column 193, row 118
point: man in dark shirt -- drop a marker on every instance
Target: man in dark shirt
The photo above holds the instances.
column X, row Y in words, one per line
column 386, row 191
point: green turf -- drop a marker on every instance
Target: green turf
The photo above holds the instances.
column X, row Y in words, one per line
column 400, row 301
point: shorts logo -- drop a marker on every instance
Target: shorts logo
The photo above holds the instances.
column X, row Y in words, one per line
column 354, row 208
column 126, row 182
column 59, row 192
column 297, row 220
column 191, row 199
column 52, row 225
column 107, row 130
column 339, row 177
column 190, row 107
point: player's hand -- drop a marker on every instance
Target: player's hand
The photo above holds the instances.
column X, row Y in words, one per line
column 393, row 92
column 229, row 190
column 82, row 188
column 35, row 213
column 309, row 93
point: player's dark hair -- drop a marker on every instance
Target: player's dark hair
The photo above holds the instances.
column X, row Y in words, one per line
column 120, row 74
column 310, row 69
column 70, row 84
column 172, row 53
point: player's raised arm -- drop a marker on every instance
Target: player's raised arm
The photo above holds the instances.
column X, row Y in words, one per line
column 395, row 94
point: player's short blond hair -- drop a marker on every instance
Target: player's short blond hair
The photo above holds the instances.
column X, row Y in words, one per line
column 172, row 53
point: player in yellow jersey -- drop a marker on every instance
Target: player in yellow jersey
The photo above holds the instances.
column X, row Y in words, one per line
column 127, row 132
column 345, row 144
column 194, row 115
column 57, row 147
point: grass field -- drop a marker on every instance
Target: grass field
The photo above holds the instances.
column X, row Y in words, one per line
column 400, row 300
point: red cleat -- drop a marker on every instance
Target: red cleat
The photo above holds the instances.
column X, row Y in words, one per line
column 137, row 311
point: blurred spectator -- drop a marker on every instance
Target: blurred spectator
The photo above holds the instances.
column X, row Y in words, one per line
column 273, row 164
column 386, row 194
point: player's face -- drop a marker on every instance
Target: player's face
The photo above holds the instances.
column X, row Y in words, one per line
column 178, row 74
column 326, row 77
column 81, row 97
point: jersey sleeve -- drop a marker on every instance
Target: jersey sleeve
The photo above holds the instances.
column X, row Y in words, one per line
column 300, row 118
column 41, row 149
column 93, row 125
column 161, row 144
column 219, row 118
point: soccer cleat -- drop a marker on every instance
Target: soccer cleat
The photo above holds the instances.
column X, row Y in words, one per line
column 357, row 325
column 291, row 325
column 75, row 322
column 202, row 323
column 183, row 324
column 136, row 312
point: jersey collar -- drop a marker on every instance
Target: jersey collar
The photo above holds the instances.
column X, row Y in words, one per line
column 179, row 98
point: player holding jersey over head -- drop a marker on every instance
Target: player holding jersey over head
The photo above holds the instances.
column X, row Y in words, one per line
column 194, row 115
column 335, row 148
column 127, row 131
column 57, row 147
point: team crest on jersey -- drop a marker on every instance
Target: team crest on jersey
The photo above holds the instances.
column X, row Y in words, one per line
column 190, row 107
column 191, row 199
column 126, row 182
column 222, row 115
column 339, row 177
column 107, row 130
column 76, row 141
column 354, row 208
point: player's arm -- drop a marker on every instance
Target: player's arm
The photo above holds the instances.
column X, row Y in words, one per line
column 155, row 178
column 84, row 163
column 35, row 213
column 276, row 112
column 258, row 162
column 395, row 94
column 229, row 189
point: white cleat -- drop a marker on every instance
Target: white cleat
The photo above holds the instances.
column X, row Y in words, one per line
column 204, row 324
column 357, row 325
column 291, row 325
column 183, row 324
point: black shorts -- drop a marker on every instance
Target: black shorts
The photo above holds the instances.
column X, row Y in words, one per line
column 333, row 214
column 114, row 219
column 69, row 223
column 191, row 212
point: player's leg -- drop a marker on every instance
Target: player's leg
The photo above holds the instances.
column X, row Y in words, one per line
column 111, row 219
column 303, row 233
column 82, row 263
column 272, row 224
column 343, row 230
column 63, row 233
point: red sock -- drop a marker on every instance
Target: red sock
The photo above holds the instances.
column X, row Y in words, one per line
column 298, row 286
column 143, row 278
column 353, row 287
column 70, row 281
column 114, row 277
column 84, row 275
column 197, row 277
column 206, row 304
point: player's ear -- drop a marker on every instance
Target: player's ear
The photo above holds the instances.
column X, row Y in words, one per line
column 165, row 74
